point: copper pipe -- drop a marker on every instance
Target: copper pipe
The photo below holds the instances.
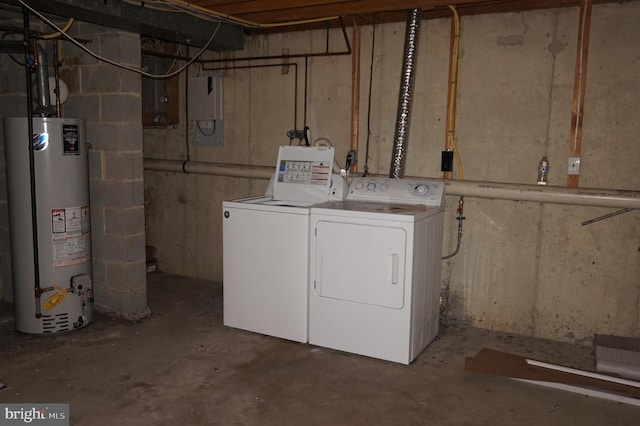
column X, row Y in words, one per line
column 577, row 113
column 447, row 144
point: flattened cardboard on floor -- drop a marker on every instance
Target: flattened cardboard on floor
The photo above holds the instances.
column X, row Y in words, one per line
column 489, row 361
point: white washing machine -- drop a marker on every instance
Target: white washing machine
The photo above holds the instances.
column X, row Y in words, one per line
column 266, row 245
column 374, row 270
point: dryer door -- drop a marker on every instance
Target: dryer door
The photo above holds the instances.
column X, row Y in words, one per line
column 360, row 263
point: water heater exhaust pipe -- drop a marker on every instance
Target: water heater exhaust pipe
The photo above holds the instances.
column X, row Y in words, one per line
column 45, row 108
column 405, row 96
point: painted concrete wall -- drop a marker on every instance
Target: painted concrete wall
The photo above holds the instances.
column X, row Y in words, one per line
column 523, row 267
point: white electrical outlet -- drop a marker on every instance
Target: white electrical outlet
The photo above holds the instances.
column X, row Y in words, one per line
column 574, row 166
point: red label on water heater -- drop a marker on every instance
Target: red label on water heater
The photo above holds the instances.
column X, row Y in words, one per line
column 70, row 139
column 70, row 229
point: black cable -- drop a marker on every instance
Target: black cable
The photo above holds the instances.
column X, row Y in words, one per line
column 22, row 64
column 213, row 132
column 279, row 64
column 186, row 117
column 305, row 135
column 373, row 45
column 306, row 78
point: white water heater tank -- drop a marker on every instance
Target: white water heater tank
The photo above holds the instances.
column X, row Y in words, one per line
column 63, row 300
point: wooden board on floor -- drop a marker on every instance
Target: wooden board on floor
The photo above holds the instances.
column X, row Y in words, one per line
column 489, row 361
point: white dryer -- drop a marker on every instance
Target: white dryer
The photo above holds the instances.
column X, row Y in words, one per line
column 266, row 245
column 374, row 270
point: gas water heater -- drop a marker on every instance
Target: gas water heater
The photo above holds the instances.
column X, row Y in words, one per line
column 60, row 299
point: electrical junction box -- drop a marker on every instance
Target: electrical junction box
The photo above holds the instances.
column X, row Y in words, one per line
column 206, row 100
column 573, row 167
column 206, row 108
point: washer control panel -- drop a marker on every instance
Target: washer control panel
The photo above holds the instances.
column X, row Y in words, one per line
column 404, row 191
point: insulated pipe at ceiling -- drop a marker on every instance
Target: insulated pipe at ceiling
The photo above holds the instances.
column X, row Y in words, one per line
column 401, row 137
column 502, row 191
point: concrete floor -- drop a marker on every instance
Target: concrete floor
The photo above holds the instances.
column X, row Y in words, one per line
column 183, row 367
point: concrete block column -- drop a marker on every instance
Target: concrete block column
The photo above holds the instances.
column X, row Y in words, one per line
column 109, row 99
column 13, row 103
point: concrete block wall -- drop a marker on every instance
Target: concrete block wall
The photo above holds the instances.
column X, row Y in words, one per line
column 109, row 100
column 13, row 103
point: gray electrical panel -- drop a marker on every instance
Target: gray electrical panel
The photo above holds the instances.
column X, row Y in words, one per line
column 206, row 108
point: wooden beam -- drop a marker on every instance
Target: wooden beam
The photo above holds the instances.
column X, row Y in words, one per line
column 269, row 11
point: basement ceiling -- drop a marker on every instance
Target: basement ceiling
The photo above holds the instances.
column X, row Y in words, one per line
column 364, row 11
column 192, row 24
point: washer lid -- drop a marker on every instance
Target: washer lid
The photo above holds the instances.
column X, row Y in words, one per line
column 268, row 204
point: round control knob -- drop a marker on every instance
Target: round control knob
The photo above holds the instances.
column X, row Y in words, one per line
column 371, row 186
column 359, row 185
column 384, row 187
column 421, row 189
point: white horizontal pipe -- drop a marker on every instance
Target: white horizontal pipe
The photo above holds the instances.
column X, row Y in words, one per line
column 217, row 169
column 546, row 194
column 475, row 189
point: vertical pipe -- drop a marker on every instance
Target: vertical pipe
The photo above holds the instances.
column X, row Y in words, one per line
column 187, row 153
column 56, row 73
column 575, row 145
column 42, row 82
column 452, row 87
column 405, row 96
column 306, row 82
column 32, row 174
column 355, row 94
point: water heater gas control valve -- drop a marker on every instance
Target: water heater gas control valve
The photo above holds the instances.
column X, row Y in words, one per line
column 406, row 191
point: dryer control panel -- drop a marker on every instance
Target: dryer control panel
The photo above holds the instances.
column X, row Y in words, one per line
column 403, row 191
